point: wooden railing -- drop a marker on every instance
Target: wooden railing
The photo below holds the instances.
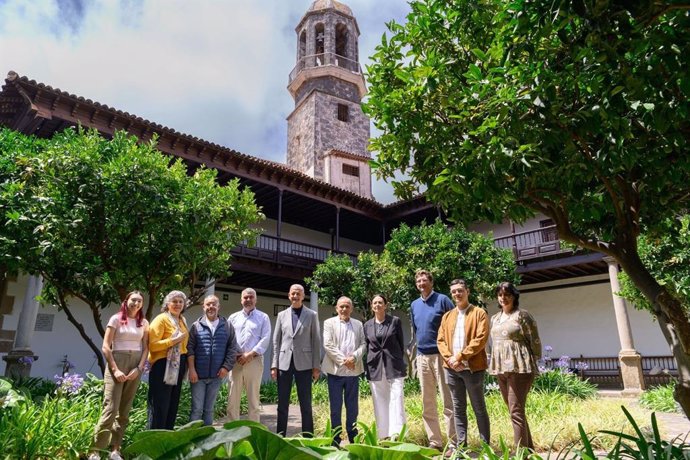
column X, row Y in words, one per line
column 533, row 243
column 286, row 252
column 605, row 372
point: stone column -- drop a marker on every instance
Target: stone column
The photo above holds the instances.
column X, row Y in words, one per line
column 211, row 287
column 314, row 301
column 630, row 359
column 19, row 359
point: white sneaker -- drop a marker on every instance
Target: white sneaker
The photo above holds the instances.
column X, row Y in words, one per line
column 115, row 455
column 94, row 456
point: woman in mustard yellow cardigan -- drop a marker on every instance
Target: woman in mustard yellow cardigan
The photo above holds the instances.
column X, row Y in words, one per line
column 168, row 335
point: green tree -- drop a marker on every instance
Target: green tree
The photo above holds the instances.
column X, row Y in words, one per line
column 667, row 254
column 447, row 252
column 98, row 218
column 574, row 109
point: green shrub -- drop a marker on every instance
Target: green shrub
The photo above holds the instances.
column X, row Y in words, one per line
column 558, row 381
column 660, row 399
column 55, row 427
column 35, row 388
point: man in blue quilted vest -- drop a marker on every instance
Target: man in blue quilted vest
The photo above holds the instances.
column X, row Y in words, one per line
column 211, row 353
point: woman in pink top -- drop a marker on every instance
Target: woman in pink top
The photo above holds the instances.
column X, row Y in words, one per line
column 125, row 348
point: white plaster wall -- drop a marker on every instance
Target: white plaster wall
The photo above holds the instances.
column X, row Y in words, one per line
column 580, row 321
column 51, row 347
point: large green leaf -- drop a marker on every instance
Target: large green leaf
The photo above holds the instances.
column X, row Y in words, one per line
column 158, row 443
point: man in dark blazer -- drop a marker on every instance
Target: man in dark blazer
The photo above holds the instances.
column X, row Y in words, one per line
column 386, row 368
column 296, row 355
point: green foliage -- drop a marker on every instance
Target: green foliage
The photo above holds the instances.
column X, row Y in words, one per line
column 507, row 108
column 667, row 254
column 660, row 398
column 577, row 110
column 9, row 397
column 55, row 427
column 35, row 388
column 99, row 217
column 557, row 381
column 638, row 445
column 447, row 252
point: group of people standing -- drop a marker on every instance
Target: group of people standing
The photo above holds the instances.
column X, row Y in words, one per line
column 450, row 337
column 207, row 350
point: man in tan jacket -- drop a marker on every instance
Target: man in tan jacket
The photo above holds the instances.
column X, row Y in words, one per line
column 462, row 339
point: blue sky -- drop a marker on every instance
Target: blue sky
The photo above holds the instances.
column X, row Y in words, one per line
column 215, row 69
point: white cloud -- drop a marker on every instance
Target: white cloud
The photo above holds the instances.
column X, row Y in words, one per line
column 214, row 69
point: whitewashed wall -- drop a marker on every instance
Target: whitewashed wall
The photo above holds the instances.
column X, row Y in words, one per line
column 581, row 321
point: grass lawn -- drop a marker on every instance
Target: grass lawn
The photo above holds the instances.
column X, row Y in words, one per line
column 553, row 419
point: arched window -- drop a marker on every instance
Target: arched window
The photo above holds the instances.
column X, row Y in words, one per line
column 302, row 45
column 341, row 36
column 319, row 48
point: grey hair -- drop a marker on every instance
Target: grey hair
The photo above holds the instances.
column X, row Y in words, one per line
column 212, row 296
column 249, row 291
column 173, row 295
column 346, row 300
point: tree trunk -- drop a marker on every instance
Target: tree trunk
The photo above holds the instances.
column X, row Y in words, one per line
column 84, row 335
column 672, row 319
column 152, row 301
column 98, row 321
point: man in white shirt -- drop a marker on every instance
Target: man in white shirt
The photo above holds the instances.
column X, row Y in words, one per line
column 253, row 331
column 343, row 340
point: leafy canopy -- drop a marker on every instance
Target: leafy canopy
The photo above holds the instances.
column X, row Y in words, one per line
column 98, row 218
column 576, row 109
column 448, row 253
column 667, row 254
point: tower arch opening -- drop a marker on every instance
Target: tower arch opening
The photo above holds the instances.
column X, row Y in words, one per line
column 319, row 43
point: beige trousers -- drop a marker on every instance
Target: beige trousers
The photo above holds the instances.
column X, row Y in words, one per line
column 117, row 401
column 432, row 379
column 247, row 377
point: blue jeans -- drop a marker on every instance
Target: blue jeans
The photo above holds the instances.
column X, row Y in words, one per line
column 204, row 394
column 344, row 389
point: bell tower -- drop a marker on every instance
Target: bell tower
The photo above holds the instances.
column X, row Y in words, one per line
column 327, row 131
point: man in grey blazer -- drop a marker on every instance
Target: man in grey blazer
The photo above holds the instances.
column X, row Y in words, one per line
column 343, row 340
column 296, row 355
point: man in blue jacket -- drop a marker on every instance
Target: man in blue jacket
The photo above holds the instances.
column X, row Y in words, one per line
column 211, row 353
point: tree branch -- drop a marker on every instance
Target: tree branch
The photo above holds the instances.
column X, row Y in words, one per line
column 70, row 317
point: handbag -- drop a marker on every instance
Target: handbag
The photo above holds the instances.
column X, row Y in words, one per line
column 172, row 365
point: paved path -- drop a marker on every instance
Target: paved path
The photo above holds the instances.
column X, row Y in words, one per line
column 269, row 418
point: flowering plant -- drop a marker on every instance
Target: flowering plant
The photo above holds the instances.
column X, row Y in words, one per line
column 69, row 383
column 26, row 360
column 563, row 363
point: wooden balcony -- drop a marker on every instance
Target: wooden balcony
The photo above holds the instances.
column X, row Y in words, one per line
column 538, row 254
column 286, row 252
column 533, row 244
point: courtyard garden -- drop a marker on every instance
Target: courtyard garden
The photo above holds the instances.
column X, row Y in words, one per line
column 55, row 419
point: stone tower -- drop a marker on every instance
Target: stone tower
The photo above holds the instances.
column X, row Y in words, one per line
column 327, row 131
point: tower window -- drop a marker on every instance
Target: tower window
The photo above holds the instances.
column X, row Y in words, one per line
column 341, row 40
column 319, row 35
column 351, row 170
column 343, row 112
